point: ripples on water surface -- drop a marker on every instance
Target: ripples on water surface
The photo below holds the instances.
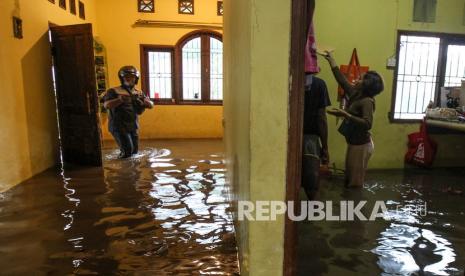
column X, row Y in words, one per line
column 406, row 244
column 162, row 212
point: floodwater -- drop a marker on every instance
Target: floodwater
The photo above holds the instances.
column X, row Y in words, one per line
column 408, row 240
column 164, row 212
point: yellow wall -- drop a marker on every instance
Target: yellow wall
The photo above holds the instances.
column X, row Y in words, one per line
column 237, row 88
column 28, row 118
column 371, row 27
column 122, row 42
column 256, row 104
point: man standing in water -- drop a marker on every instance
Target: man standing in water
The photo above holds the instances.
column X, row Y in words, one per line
column 315, row 140
column 125, row 103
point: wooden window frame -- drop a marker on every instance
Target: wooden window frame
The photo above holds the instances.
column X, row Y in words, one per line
column 180, row 5
column 82, row 10
column 144, row 50
column 139, row 7
column 72, row 7
column 205, row 64
column 445, row 40
column 62, row 4
column 177, row 68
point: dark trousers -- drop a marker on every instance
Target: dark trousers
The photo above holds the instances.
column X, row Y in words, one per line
column 127, row 141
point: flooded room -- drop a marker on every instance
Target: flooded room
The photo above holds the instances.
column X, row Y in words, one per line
column 232, row 137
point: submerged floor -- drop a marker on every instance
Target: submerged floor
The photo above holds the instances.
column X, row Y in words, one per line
column 406, row 242
column 164, row 212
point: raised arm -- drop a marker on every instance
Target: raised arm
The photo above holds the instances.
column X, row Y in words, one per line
column 340, row 78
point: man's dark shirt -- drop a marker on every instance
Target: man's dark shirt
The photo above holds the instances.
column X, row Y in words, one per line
column 122, row 118
column 315, row 98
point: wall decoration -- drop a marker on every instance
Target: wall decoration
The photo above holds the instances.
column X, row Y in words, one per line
column 72, row 6
column 17, row 27
column 146, row 5
column 82, row 10
column 424, row 11
column 219, row 8
column 62, row 4
column 186, row 7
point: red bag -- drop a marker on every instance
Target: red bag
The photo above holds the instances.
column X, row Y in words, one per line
column 421, row 149
column 352, row 72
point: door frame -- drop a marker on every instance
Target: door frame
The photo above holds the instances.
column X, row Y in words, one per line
column 301, row 16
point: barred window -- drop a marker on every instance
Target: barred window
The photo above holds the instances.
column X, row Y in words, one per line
column 202, row 68
column 216, row 69
column 422, row 70
column 189, row 73
column 158, row 68
column 191, row 70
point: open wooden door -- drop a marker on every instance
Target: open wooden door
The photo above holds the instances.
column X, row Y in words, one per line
column 77, row 103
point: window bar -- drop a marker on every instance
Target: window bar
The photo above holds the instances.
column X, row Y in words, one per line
column 191, row 75
column 156, row 74
column 165, row 75
column 457, row 64
column 441, row 67
column 414, row 45
column 458, row 73
column 190, row 91
column 418, row 81
column 161, row 88
column 427, row 69
column 205, row 72
column 403, row 80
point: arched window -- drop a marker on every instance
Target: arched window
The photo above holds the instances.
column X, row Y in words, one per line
column 200, row 55
column 189, row 73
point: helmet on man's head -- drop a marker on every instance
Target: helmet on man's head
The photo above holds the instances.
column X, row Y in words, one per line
column 128, row 70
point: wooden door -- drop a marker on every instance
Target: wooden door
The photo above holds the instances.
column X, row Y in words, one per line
column 77, row 102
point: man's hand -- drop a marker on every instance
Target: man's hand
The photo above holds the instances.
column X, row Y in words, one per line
column 330, row 58
column 139, row 101
column 324, row 156
column 124, row 99
column 148, row 103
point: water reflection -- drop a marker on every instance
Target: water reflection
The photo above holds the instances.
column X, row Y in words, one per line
column 161, row 212
column 407, row 247
column 410, row 240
